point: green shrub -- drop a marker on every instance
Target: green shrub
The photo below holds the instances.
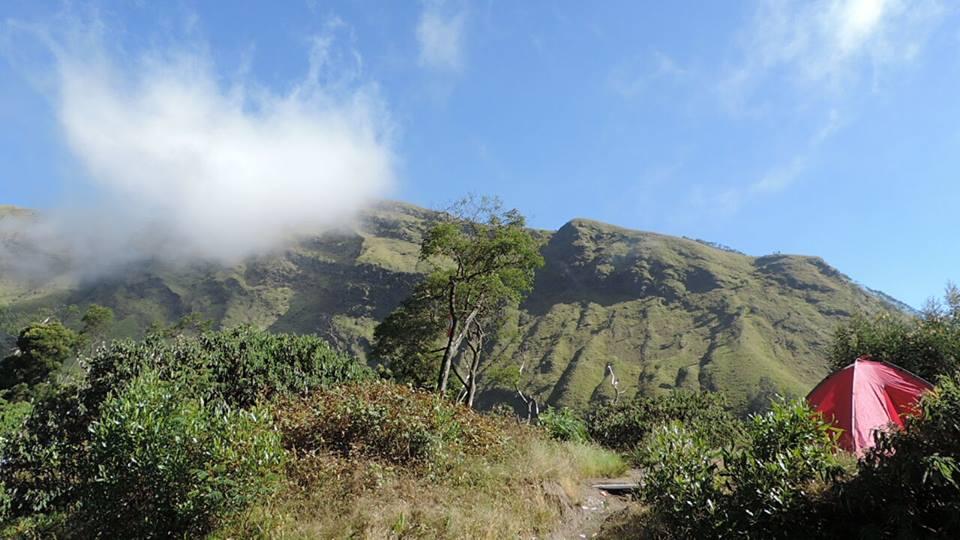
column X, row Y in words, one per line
column 624, row 425
column 758, row 489
column 682, row 484
column 564, row 425
column 240, row 366
column 12, row 416
column 165, row 464
column 907, row 486
column 769, row 478
column 387, row 422
column 928, row 345
column 43, row 463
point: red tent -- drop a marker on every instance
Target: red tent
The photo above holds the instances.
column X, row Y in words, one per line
column 864, row 397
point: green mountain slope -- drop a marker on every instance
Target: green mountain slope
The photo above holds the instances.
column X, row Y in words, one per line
column 660, row 311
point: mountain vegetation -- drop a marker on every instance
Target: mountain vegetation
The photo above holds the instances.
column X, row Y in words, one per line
column 649, row 311
column 184, row 430
column 779, row 474
column 248, row 433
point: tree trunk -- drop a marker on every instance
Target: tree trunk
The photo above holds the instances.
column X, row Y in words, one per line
column 477, row 350
column 453, row 347
column 448, row 351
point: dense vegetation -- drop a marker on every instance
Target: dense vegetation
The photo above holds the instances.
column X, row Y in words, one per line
column 244, row 432
column 927, row 345
column 621, row 425
column 231, row 433
column 780, row 473
column 180, row 420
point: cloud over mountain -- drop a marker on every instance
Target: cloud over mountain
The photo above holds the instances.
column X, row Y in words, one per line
column 190, row 166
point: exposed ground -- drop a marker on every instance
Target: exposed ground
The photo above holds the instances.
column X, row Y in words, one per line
column 587, row 518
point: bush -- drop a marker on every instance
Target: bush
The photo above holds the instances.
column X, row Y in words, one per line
column 239, row 366
column 682, row 484
column 564, row 425
column 624, row 425
column 164, row 464
column 907, row 485
column 387, row 422
column 756, row 490
column 788, row 449
column 43, row 463
column 12, row 416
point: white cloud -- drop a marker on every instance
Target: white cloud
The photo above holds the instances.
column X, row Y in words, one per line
column 830, row 44
column 780, row 177
column 729, row 200
column 185, row 166
column 440, row 36
column 783, row 176
column 812, row 57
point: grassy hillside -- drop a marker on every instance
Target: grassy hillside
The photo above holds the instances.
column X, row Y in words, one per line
column 664, row 312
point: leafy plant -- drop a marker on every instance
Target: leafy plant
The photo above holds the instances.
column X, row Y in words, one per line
column 12, row 416
column 788, row 449
column 625, row 424
column 240, row 366
column 564, row 425
column 907, row 485
column 682, row 485
column 756, row 489
column 162, row 463
column 44, row 463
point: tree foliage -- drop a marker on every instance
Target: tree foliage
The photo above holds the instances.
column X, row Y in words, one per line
column 928, row 345
column 484, row 259
column 96, row 322
column 42, row 348
column 409, row 341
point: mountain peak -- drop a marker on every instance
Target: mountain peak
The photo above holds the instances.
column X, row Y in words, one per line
column 664, row 311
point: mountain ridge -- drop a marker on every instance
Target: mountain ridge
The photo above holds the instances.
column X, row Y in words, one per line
column 661, row 311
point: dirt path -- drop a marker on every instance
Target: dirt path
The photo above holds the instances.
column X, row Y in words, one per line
column 585, row 519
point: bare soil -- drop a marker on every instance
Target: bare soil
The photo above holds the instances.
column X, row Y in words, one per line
column 585, row 519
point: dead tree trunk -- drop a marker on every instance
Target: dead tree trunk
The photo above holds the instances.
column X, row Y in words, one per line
column 533, row 408
column 615, row 382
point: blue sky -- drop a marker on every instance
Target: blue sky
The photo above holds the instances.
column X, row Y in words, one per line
column 828, row 128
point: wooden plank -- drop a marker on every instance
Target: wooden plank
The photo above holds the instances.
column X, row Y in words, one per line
column 618, row 486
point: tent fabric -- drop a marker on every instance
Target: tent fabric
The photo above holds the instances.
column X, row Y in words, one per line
column 864, row 397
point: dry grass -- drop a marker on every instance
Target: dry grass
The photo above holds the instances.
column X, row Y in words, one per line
column 521, row 494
